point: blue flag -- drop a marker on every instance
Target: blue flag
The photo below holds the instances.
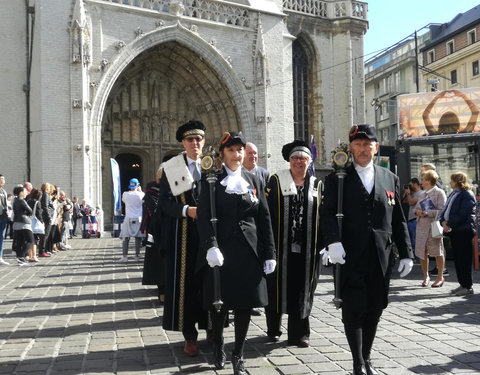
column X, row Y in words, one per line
column 313, row 148
column 117, row 193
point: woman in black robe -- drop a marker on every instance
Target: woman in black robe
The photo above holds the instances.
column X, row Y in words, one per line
column 293, row 197
column 243, row 248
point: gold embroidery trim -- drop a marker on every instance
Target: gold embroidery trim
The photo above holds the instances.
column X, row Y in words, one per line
column 183, row 256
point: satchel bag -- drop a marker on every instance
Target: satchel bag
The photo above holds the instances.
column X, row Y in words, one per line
column 437, row 229
column 37, row 226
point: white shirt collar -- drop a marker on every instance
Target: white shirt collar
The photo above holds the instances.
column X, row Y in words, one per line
column 190, row 161
column 430, row 190
column 360, row 169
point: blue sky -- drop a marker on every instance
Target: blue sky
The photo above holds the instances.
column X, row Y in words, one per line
column 391, row 21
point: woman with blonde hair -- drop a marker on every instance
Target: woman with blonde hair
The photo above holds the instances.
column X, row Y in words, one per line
column 458, row 221
column 429, row 205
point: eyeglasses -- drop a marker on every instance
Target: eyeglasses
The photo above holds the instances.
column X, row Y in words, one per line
column 191, row 139
column 299, row 158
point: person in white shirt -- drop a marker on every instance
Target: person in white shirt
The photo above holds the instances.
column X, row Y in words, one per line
column 131, row 226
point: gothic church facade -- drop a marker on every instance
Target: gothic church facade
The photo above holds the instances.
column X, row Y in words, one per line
column 84, row 81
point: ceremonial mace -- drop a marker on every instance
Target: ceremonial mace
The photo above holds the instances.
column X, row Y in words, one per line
column 211, row 166
column 341, row 159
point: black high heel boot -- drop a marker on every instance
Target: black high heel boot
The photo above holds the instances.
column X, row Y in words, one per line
column 219, row 357
column 238, row 365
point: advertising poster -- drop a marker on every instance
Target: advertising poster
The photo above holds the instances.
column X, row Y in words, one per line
column 439, row 112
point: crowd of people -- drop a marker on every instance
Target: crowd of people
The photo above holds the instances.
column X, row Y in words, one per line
column 238, row 239
column 40, row 221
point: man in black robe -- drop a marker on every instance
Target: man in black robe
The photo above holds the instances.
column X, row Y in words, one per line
column 372, row 219
column 177, row 200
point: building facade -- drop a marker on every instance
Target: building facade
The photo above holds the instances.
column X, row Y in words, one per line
column 90, row 80
column 453, row 53
column 387, row 75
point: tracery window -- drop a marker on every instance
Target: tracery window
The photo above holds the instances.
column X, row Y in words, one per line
column 300, row 91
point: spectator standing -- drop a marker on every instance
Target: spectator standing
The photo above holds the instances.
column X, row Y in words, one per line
column 47, row 215
column 33, row 201
column 429, row 205
column 9, row 231
column 22, row 225
column 131, row 226
column 3, row 218
column 431, row 167
column 458, row 221
column 76, row 214
column 293, row 198
column 410, row 196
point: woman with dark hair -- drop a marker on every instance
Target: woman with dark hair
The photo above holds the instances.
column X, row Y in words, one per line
column 458, row 222
column 22, row 225
column 293, row 197
column 243, row 248
column 33, row 201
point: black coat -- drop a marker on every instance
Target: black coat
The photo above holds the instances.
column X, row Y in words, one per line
column 363, row 225
column 245, row 238
column 462, row 213
column 21, row 211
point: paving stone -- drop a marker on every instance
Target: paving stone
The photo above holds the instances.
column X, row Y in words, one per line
column 95, row 317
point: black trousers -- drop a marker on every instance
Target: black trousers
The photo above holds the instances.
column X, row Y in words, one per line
column 23, row 241
column 241, row 321
column 463, row 256
column 298, row 328
column 364, row 298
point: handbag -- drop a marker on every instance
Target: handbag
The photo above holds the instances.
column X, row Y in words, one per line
column 437, row 229
column 37, row 226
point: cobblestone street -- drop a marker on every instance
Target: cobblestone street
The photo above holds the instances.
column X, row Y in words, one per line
column 82, row 312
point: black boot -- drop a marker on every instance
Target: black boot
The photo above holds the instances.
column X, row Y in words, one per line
column 238, row 365
column 219, row 357
column 370, row 369
column 368, row 335
column 359, row 369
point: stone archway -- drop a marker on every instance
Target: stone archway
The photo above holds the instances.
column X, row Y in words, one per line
column 163, row 87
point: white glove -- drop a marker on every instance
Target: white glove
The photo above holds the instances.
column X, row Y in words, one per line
column 405, row 266
column 336, row 253
column 269, row 266
column 214, row 257
column 325, row 257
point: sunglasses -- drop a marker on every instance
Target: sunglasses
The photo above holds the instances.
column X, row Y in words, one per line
column 191, row 139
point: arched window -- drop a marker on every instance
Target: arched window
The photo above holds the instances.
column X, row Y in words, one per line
column 300, row 91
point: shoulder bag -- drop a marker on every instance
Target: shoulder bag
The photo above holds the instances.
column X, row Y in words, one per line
column 37, row 226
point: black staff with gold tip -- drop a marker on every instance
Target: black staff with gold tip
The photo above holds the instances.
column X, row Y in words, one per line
column 341, row 160
column 211, row 166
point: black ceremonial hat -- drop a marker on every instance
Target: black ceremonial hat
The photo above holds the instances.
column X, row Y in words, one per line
column 296, row 145
column 232, row 138
column 364, row 131
column 193, row 127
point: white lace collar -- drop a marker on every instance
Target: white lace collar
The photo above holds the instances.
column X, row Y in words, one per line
column 234, row 182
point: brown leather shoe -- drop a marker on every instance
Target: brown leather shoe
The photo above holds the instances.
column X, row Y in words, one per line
column 190, row 348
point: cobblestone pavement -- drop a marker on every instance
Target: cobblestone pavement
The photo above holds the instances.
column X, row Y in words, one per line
column 82, row 312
